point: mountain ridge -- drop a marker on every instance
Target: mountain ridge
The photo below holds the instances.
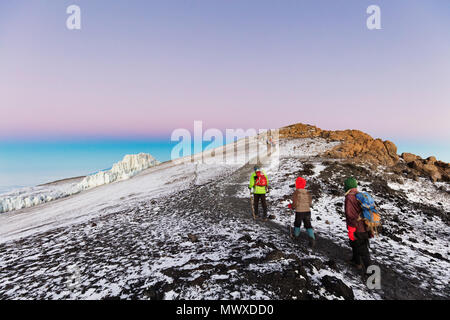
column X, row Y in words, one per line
column 359, row 146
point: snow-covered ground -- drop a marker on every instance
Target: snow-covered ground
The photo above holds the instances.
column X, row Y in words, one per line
column 183, row 229
column 102, row 195
column 420, row 240
column 424, row 191
column 307, row 147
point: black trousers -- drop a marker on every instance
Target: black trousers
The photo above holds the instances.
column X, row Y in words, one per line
column 262, row 198
column 304, row 217
column 360, row 248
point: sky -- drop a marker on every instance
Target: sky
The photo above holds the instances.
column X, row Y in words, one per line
column 137, row 70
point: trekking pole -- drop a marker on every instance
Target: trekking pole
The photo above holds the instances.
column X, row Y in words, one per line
column 252, row 202
column 291, row 234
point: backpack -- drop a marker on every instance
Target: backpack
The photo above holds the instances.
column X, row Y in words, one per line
column 261, row 180
column 370, row 214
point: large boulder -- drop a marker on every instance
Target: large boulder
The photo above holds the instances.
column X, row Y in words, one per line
column 391, row 149
column 432, row 171
column 416, row 164
column 435, row 170
column 300, row 130
column 408, row 157
column 360, row 146
column 431, row 160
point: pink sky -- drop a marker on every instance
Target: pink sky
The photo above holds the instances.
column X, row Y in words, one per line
column 135, row 73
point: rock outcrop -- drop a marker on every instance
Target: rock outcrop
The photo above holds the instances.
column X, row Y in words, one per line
column 429, row 167
column 355, row 144
column 361, row 147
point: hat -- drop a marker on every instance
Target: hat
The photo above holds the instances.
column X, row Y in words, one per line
column 350, row 183
column 300, row 183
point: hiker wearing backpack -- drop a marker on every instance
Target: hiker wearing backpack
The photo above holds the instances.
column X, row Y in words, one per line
column 259, row 183
column 357, row 230
column 301, row 204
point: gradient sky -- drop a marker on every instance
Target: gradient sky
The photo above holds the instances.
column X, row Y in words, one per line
column 141, row 69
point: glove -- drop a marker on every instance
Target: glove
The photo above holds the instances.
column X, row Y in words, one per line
column 351, row 233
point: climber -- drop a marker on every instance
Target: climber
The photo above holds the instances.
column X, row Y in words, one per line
column 357, row 231
column 259, row 184
column 301, row 204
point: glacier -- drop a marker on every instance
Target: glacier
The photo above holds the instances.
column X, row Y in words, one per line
column 22, row 198
column 125, row 169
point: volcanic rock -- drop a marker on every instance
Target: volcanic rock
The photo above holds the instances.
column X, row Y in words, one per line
column 360, row 147
column 337, row 287
column 355, row 144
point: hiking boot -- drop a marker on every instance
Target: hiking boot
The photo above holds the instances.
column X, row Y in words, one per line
column 358, row 267
column 354, row 264
column 312, row 243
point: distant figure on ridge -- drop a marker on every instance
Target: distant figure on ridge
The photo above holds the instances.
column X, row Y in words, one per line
column 301, row 204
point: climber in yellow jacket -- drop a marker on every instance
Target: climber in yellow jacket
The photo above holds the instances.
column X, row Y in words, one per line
column 259, row 183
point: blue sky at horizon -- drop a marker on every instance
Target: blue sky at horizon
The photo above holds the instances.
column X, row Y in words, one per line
column 31, row 163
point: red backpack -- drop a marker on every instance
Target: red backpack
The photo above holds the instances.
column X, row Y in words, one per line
column 261, row 180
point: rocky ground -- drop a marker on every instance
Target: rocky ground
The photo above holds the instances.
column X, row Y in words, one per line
column 202, row 243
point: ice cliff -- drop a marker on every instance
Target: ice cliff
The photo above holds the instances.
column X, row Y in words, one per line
column 125, row 169
column 32, row 196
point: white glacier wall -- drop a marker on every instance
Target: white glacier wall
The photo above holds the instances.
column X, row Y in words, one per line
column 33, row 196
column 125, row 169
